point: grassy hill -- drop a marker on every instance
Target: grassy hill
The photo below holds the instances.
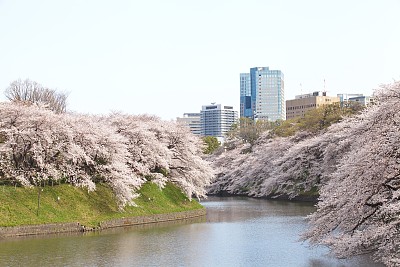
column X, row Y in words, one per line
column 65, row 203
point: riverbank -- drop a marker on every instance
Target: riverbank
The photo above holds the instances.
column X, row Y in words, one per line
column 66, row 208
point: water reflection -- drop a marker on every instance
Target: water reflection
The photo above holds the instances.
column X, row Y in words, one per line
column 241, row 208
column 236, row 232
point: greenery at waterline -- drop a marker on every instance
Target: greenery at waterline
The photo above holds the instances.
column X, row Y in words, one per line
column 66, row 203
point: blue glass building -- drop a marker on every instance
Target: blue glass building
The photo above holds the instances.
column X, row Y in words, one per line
column 245, row 96
column 262, row 94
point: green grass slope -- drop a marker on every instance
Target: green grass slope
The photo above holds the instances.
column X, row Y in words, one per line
column 65, row 203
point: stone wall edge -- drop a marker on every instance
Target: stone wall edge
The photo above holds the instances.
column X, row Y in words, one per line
column 75, row 227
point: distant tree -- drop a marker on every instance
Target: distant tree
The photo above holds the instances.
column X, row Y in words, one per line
column 354, row 107
column 211, row 144
column 248, row 130
column 316, row 120
column 287, row 128
column 32, row 92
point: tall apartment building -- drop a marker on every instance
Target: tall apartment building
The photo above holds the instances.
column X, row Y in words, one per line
column 262, row 94
column 191, row 120
column 303, row 103
column 216, row 120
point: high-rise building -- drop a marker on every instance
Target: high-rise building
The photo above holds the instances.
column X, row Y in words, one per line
column 216, row 120
column 302, row 103
column 245, row 96
column 262, row 94
column 191, row 120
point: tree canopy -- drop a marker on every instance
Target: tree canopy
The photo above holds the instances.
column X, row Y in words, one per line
column 211, row 144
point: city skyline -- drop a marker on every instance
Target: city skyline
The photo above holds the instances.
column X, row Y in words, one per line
column 169, row 58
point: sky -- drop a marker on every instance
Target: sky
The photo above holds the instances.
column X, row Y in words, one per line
column 168, row 57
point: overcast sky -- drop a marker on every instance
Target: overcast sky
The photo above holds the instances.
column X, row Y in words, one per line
column 167, row 57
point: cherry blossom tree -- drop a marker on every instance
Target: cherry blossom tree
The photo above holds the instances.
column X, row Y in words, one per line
column 359, row 207
column 38, row 146
column 355, row 166
column 165, row 151
column 280, row 166
column 275, row 167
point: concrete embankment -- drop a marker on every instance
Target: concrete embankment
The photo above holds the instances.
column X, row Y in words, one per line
column 56, row 228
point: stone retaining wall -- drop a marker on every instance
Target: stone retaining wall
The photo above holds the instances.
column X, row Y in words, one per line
column 55, row 228
column 51, row 228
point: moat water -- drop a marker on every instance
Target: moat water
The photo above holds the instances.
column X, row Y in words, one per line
column 236, row 232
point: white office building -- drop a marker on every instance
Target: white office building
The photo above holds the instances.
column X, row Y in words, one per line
column 216, row 120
